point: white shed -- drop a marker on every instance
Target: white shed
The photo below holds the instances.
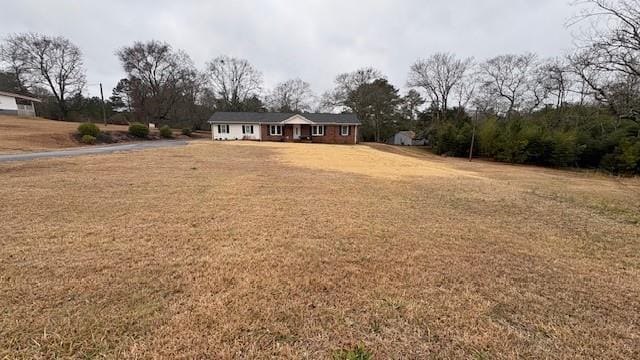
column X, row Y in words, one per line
column 406, row 138
column 15, row 104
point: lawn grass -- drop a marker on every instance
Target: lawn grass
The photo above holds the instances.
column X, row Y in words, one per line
column 20, row 134
column 269, row 250
column 23, row 134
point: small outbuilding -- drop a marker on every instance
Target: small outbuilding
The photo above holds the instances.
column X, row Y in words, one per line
column 405, row 138
column 16, row 104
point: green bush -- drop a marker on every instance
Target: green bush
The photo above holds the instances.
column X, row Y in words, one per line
column 565, row 149
column 358, row 353
column 139, row 130
column 186, row 131
column 624, row 159
column 88, row 139
column 165, row 132
column 105, row 138
column 89, row 129
column 584, row 137
column 453, row 139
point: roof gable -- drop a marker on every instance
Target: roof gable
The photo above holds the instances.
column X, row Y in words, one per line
column 298, row 119
column 409, row 134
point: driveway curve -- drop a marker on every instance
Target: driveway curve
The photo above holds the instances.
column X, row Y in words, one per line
column 93, row 150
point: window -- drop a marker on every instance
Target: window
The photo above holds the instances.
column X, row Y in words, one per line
column 247, row 129
column 223, row 129
column 344, row 130
column 275, row 130
column 317, row 130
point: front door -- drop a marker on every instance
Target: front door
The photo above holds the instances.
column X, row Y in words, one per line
column 296, row 132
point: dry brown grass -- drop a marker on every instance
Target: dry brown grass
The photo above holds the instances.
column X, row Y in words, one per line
column 263, row 250
column 18, row 134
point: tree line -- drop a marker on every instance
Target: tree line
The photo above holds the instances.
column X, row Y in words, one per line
column 579, row 109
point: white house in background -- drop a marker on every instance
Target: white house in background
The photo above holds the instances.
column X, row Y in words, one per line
column 406, row 138
column 15, row 104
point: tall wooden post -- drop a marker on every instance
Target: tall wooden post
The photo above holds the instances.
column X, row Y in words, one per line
column 104, row 114
column 473, row 135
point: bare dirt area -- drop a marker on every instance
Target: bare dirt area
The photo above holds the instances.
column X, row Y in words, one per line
column 270, row 250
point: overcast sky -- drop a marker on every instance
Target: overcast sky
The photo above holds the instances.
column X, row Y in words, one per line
column 310, row 39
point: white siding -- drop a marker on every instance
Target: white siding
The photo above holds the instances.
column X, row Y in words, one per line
column 401, row 139
column 235, row 132
column 8, row 103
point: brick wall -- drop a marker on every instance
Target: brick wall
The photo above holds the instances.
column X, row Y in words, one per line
column 331, row 134
column 264, row 131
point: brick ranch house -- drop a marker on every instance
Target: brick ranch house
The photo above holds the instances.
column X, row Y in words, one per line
column 306, row 127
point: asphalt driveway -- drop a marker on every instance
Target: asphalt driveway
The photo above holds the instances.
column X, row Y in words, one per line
column 92, row 150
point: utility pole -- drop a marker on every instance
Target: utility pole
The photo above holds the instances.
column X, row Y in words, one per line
column 473, row 135
column 104, row 114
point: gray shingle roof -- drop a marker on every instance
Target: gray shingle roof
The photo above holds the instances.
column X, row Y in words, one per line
column 409, row 134
column 268, row 117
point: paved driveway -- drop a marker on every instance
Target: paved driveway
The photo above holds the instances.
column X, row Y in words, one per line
column 92, row 150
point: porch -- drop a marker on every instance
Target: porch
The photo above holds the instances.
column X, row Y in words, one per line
column 25, row 108
column 297, row 133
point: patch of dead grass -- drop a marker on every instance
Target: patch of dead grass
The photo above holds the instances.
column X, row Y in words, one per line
column 263, row 250
column 19, row 134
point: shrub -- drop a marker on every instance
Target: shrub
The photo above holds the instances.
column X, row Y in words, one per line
column 186, row 131
column 565, row 150
column 358, row 353
column 88, row 139
column 165, row 132
column 89, row 129
column 105, row 138
column 624, row 159
column 139, row 130
column 453, row 139
column 581, row 136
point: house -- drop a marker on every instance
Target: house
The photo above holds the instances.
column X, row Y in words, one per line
column 407, row 138
column 305, row 127
column 15, row 104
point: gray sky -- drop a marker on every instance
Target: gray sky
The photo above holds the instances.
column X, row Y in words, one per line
column 311, row 39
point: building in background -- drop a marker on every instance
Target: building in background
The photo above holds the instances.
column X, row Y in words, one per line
column 15, row 104
column 406, row 138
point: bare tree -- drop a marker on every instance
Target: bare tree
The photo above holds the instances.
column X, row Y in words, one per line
column 52, row 62
column 466, row 89
column 15, row 60
column 291, row 96
column 345, row 85
column 439, row 75
column 556, row 79
column 158, row 78
column 615, row 35
column 507, row 77
column 609, row 61
column 234, row 81
column 537, row 91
